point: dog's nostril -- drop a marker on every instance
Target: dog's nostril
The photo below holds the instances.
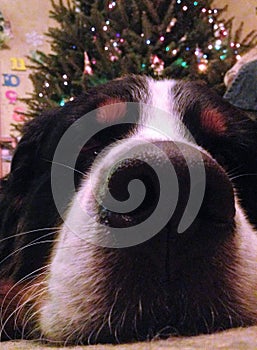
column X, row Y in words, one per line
column 142, row 198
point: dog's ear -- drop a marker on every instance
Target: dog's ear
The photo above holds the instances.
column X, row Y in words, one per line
column 26, row 201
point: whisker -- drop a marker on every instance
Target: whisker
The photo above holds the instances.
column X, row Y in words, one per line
column 29, row 307
column 242, row 175
column 32, row 311
column 26, row 232
column 21, row 292
column 65, row 166
column 111, row 310
column 33, row 243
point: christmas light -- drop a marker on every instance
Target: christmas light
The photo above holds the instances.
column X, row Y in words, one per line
column 112, row 5
column 184, row 8
column 218, row 44
column 65, row 83
column 197, row 52
column 195, row 3
column 179, row 1
column 210, row 47
column 105, row 28
column 204, row 10
column 65, row 76
column 238, row 57
column 115, row 44
column 87, row 67
column 162, row 38
column 148, row 42
column 167, row 48
column 62, row 102
column 40, row 94
column 107, row 22
column 114, row 58
column 47, row 84
column 171, row 25
column 157, row 64
column 174, row 52
column 106, row 48
column 202, row 67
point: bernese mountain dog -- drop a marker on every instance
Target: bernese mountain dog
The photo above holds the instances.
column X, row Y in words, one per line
column 129, row 214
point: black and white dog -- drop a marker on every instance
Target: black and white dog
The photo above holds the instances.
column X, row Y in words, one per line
column 73, row 271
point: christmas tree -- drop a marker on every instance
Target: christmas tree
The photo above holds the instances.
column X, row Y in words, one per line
column 96, row 41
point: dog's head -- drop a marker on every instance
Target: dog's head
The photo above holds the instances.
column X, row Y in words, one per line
column 130, row 213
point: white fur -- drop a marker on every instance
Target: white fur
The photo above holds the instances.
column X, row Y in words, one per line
column 159, row 119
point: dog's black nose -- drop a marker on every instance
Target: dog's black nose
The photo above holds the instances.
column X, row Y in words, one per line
column 198, row 177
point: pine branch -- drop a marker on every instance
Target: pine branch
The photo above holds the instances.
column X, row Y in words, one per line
column 146, row 26
column 167, row 17
column 151, row 10
column 122, row 5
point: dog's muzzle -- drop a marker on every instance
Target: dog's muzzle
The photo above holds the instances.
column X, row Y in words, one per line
column 217, row 205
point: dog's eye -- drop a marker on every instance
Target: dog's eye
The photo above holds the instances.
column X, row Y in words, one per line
column 91, row 147
column 97, row 144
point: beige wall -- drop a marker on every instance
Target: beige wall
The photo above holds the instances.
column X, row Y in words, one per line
column 243, row 10
column 26, row 17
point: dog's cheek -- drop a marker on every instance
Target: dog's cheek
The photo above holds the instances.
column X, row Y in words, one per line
column 245, row 281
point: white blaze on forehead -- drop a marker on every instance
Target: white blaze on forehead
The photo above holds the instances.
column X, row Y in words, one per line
column 159, row 118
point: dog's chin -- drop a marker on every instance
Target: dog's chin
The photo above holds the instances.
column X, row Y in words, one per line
column 127, row 295
column 171, row 283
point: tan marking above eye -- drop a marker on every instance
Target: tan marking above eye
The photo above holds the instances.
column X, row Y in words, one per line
column 111, row 110
column 213, row 121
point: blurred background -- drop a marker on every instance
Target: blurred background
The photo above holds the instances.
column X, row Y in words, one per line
column 51, row 51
